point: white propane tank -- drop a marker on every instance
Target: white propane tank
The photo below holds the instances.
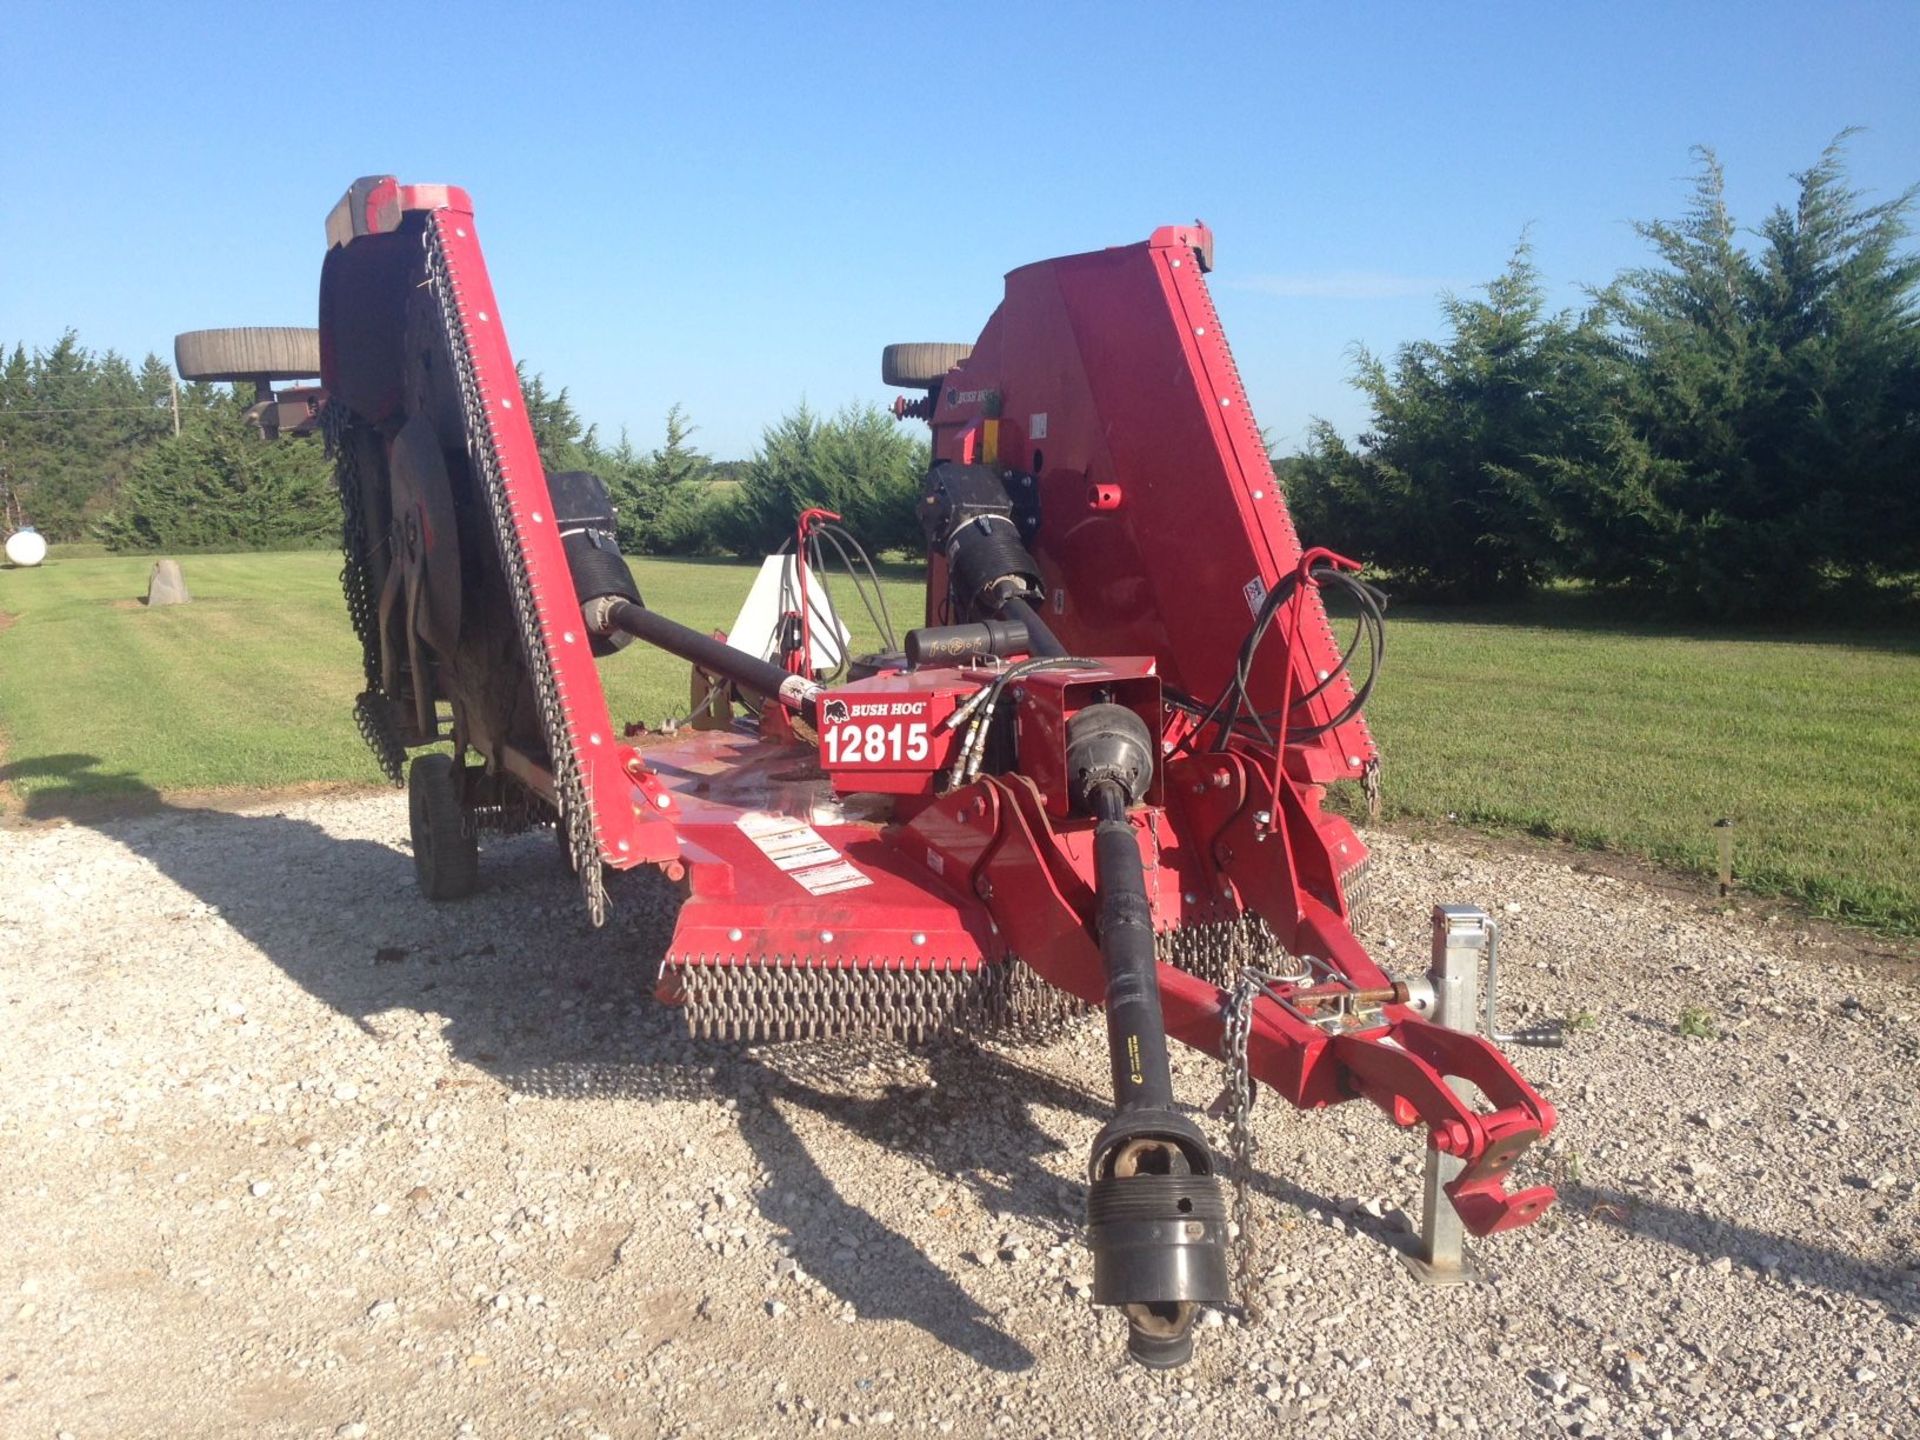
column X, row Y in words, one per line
column 26, row 546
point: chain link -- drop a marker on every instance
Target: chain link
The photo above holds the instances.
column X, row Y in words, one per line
column 1239, row 1025
column 1250, row 983
column 370, row 708
column 777, row 999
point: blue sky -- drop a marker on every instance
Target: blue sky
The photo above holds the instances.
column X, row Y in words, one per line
column 736, row 206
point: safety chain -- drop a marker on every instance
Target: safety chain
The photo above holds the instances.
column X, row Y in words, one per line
column 569, row 777
column 1239, row 1025
column 1250, row 985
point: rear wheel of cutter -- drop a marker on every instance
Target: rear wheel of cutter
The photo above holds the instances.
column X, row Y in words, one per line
column 446, row 855
column 272, row 352
column 916, row 366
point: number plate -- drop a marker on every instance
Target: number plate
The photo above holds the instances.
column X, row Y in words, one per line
column 880, row 742
column 888, row 741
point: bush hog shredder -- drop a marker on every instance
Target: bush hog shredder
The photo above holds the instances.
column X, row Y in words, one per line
column 1092, row 778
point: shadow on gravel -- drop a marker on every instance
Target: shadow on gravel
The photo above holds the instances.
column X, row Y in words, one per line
column 342, row 918
column 1712, row 1238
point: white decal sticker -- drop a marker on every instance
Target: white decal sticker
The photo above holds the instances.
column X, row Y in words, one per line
column 790, row 843
column 1037, row 426
column 936, row 862
column 1256, row 591
column 832, row 879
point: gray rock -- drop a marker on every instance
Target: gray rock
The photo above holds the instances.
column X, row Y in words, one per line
column 166, row 585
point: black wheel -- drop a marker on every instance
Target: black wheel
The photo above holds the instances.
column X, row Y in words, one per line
column 446, row 856
column 915, row 367
column 270, row 352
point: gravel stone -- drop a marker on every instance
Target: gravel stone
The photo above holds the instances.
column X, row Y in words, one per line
column 538, row 1208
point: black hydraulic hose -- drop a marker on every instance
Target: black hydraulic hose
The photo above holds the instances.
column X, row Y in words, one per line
column 762, row 677
column 1136, row 1029
column 1042, row 643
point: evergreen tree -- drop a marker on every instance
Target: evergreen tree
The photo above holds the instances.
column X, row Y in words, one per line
column 663, row 497
column 565, row 441
column 1764, row 430
column 219, row 486
column 72, row 424
column 1456, row 486
column 858, row 463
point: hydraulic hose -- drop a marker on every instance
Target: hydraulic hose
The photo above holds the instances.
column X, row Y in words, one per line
column 1042, row 643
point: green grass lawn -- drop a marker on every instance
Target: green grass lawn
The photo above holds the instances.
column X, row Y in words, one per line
column 1552, row 720
column 251, row 686
column 1547, row 719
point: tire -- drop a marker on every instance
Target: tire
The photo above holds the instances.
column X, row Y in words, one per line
column 272, row 352
column 919, row 366
column 446, row 856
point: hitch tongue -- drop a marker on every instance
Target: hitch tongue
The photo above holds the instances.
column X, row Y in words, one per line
column 1156, row 1212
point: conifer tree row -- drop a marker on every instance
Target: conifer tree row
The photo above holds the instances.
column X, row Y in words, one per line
column 1732, row 429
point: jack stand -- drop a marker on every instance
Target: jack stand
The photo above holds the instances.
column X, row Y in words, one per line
column 1461, row 933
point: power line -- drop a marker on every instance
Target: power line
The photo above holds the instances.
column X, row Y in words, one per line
column 157, row 408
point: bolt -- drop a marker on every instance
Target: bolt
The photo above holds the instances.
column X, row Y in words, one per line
column 735, row 936
column 919, row 937
column 1263, row 817
column 826, row 937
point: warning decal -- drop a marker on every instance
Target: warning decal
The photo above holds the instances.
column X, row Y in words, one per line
column 1256, row 592
column 802, row 852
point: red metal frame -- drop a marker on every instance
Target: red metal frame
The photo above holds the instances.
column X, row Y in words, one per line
column 627, row 825
column 1103, row 388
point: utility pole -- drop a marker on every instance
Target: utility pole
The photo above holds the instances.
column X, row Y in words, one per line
column 174, row 382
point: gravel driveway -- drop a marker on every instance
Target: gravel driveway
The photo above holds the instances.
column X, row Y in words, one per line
column 289, row 1151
